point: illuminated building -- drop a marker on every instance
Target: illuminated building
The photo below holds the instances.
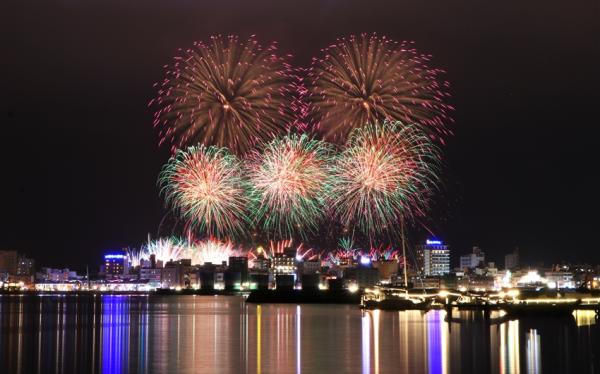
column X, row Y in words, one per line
column 283, row 263
column 433, row 258
column 559, row 279
column 151, row 275
column 115, row 264
column 472, row 260
column 25, row 266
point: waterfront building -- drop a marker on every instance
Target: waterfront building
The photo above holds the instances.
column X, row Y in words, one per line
column 239, row 264
column 559, row 279
column 433, row 258
column 116, row 264
column 25, row 266
column 50, row 275
column 472, row 260
column 309, row 267
column 283, row 263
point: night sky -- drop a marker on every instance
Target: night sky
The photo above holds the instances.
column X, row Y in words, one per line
column 80, row 157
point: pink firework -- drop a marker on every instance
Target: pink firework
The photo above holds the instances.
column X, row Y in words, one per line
column 366, row 78
column 226, row 93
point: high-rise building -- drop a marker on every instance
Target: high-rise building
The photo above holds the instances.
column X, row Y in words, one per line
column 511, row 260
column 285, row 263
column 25, row 266
column 239, row 265
column 433, row 258
column 472, row 260
column 115, row 264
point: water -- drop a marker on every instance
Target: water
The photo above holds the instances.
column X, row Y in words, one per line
column 206, row 334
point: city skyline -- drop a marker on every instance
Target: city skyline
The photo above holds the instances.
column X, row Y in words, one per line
column 515, row 172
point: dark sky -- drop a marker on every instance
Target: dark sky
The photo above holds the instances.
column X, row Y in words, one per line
column 80, row 156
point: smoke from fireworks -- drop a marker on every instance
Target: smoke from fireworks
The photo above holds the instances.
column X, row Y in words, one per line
column 205, row 185
column 385, row 174
column 288, row 178
column 226, row 93
column 367, row 78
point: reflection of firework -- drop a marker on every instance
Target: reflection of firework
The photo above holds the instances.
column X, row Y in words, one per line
column 206, row 187
column 210, row 250
column 288, row 179
column 386, row 173
column 225, row 93
column 368, row 78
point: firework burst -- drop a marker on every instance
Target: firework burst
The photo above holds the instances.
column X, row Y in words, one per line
column 226, row 93
column 205, row 186
column 164, row 249
column 368, row 78
column 386, row 174
column 211, row 250
column 288, row 178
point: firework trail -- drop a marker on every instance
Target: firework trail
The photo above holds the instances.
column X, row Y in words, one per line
column 288, row 178
column 386, row 173
column 134, row 256
column 211, row 250
column 226, row 93
column 367, row 78
column 206, row 187
column 164, row 249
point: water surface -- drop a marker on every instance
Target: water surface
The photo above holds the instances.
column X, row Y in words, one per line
column 216, row 334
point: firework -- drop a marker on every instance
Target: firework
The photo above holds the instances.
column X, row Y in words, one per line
column 134, row 256
column 368, row 78
column 288, row 178
column 226, row 93
column 386, row 174
column 205, row 186
column 164, row 249
column 383, row 253
column 342, row 257
column 211, row 250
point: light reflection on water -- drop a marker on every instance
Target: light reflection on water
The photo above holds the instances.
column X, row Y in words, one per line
column 151, row 334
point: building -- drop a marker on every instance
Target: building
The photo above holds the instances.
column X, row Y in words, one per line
column 25, row 266
column 511, row 261
column 239, row 265
column 261, row 263
column 387, row 269
column 433, row 258
column 472, row 260
column 151, row 275
column 116, row 264
column 8, row 262
column 283, row 263
column 50, row 275
column 559, row 279
column 309, row 267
